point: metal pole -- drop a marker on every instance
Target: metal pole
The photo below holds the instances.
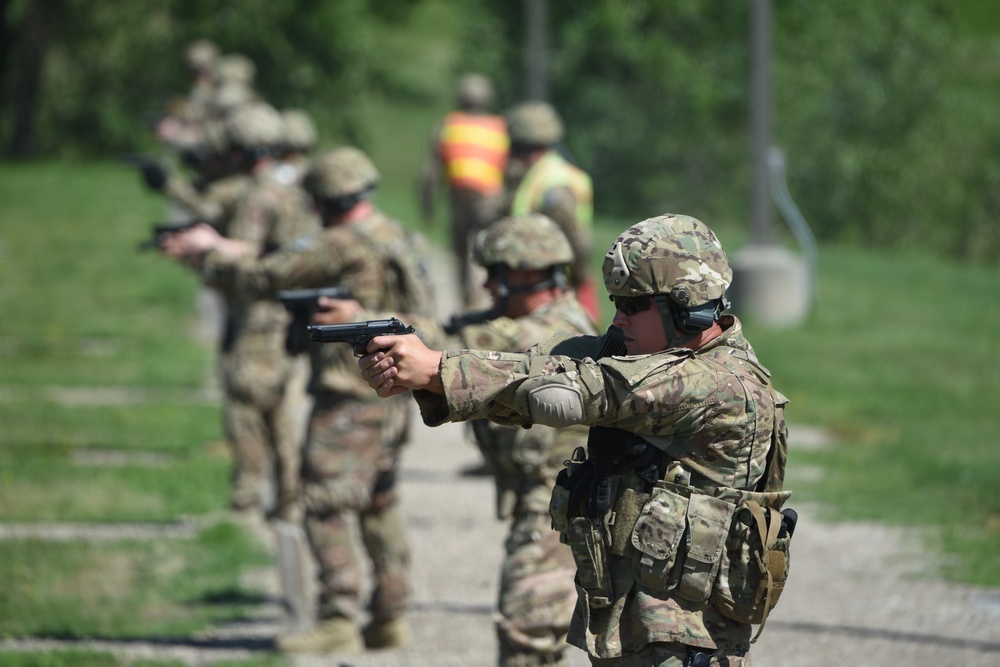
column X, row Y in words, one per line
column 760, row 118
column 536, row 49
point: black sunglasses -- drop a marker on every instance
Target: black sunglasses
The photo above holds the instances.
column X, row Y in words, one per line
column 630, row 305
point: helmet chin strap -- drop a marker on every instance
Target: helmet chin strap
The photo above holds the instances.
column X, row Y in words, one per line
column 557, row 278
column 666, row 307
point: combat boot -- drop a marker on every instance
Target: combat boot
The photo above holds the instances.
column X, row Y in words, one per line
column 394, row 633
column 509, row 658
column 331, row 635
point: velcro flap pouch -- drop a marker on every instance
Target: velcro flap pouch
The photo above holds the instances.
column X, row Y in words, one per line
column 708, row 521
column 559, row 508
column 657, row 536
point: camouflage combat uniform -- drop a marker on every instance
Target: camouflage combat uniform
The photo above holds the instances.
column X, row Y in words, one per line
column 215, row 203
column 537, row 595
column 261, row 414
column 353, row 443
column 675, row 394
column 707, row 415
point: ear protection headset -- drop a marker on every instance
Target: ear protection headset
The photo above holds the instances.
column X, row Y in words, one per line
column 689, row 321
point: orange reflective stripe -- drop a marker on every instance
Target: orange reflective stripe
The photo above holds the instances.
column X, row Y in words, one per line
column 474, row 149
column 473, row 171
column 493, row 139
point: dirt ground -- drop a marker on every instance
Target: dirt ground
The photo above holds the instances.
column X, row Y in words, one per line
column 858, row 594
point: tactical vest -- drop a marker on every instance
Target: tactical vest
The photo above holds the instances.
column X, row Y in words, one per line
column 409, row 286
column 626, row 496
column 474, row 150
column 553, row 171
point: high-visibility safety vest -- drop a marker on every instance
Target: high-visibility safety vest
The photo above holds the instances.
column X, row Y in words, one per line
column 553, row 171
column 474, row 149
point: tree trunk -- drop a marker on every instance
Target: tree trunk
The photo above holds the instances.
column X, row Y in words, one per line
column 6, row 37
column 34, row 43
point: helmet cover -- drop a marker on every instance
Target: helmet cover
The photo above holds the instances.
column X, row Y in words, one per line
column 676, row 255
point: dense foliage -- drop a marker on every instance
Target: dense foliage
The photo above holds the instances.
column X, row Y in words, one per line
column 884, row 109
column 112, row 68
column 888, row 141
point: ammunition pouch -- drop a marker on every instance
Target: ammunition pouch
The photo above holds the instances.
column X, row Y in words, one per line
column 716, row 544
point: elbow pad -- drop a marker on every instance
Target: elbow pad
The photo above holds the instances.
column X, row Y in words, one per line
column 556, row 405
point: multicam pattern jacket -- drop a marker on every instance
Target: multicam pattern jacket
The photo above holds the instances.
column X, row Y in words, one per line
column 709, row 409
column 342, row 255
column 525, row 461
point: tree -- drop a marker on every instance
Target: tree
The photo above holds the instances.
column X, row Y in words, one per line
column 883, row 143
column 90, row 76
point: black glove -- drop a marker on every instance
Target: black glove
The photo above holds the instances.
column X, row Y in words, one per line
column 155, row 175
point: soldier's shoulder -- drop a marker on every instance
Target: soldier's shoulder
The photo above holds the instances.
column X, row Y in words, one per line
column 501, row 334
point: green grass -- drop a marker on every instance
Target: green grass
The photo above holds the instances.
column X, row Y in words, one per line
column 72, row 658
column 76, row 293
column 899, row 362
column 126, row 589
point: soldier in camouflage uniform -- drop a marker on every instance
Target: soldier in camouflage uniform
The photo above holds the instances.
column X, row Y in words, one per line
column 685, row 406
column 257, row 371
column 300, row 140
column 525, row 258
column 261, row 416
column 218, row 184
column 353, row 444
column 539, row 179
column 201, row 57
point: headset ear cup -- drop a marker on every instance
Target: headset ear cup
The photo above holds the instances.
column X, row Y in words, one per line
column 694, row 320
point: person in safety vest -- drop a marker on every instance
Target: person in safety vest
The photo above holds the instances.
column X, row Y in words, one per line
column 468, row 151
column 540, row 179
column 687, row 448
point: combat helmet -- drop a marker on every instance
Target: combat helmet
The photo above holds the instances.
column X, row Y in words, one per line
column 255, row 127
column 236, row 68
column 300, row 131
column 527, row 241
column 678, row 262
column 475, row 92
column 230, row 95
column 201, row 55
column 341, row 177
column 534, row 124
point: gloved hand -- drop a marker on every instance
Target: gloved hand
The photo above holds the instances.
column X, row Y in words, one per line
column 155, row 175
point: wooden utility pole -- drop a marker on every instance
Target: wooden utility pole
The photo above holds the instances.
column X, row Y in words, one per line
column 760, row 119
column 536, row 52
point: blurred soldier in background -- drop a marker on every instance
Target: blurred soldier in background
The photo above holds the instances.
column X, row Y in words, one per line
column 235, row 68
column 354, row 439
column 470, row 146
column 525, row 257
column 216, row 186
column 230, row 87
column 300, row 140
column 539, row 179
column 263, row 423
column 201, row 58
